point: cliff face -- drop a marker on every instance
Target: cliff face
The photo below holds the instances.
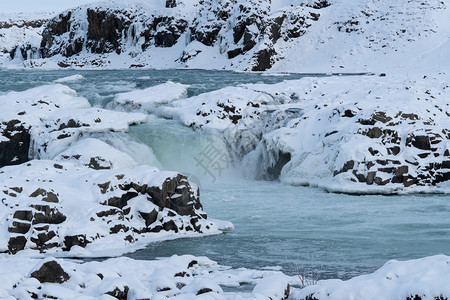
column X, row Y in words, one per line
column 244, row 31
column 283, row 35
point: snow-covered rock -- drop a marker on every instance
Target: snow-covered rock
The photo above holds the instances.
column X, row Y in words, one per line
column 55, row 207
column 354, row 134
column 149, row 98
column 424, row 278
column 43, row 121
column 177, row 277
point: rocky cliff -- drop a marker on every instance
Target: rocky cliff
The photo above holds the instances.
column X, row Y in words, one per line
column 244, row 31
column 283, row 35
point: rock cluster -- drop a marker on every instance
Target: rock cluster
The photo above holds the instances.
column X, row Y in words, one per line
column 71, row 206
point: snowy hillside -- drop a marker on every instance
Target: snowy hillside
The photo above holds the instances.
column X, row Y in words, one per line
column 17, row 29
column 305, row 36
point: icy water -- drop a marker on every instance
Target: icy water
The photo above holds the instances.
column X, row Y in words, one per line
column 330, row 235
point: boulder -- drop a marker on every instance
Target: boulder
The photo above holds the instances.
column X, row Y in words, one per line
column 50, row 272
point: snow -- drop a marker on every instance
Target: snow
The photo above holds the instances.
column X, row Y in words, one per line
column 76, row 77
column 176, row 277
column 149, row 98
column 426, row 277
column 90, row 147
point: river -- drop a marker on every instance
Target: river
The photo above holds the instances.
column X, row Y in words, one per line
column 299, row 229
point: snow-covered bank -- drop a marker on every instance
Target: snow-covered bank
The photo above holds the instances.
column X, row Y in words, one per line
column 351, row 134
column 425, row 278
column 178, row 277
column 191, row 277
column 67, row 210
column 303, row 36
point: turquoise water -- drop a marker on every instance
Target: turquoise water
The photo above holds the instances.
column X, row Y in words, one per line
column 332, row 235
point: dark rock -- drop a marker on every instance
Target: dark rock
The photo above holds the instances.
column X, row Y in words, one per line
column 204, row 291
column 318, row 4
column 421, row 142
column 17, row 243
column 394, row 150
column 192, row 263
column 275, row 171
column 117, row 228
column 171, row 3
column 43, row 238
column 19, row 227
column 150, row 217
column 170, row 225
column 119, row 293
column 374, row 132
column 15, row 150
column 163, row 197
column 401, row 170
column 122, row 201
column 370, row 177
column 51, row 197
column 349, row 113
column 50, row 272
column 104, row 31
column 47, row 215
column 263, row 59
column 39, row 192
column 98, row 163
column 235, row 52
column 75, row 240
column 25, row 215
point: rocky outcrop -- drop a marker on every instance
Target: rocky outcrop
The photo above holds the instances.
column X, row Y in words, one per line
column 428, row 163
column 108, row 31
column 324, row 132
column 69, row 206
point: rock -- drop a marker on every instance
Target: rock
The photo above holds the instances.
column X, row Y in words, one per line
column 275, row 171
column 25, row 215
column 42, row 239
column 16, row 243
column 421, row 142
column 14, row 150
column 150, row 217
column 47, row 215
column 75, row 240
column 19, row 227
column 50, row 272
column 263, row 59
column 119, row 293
